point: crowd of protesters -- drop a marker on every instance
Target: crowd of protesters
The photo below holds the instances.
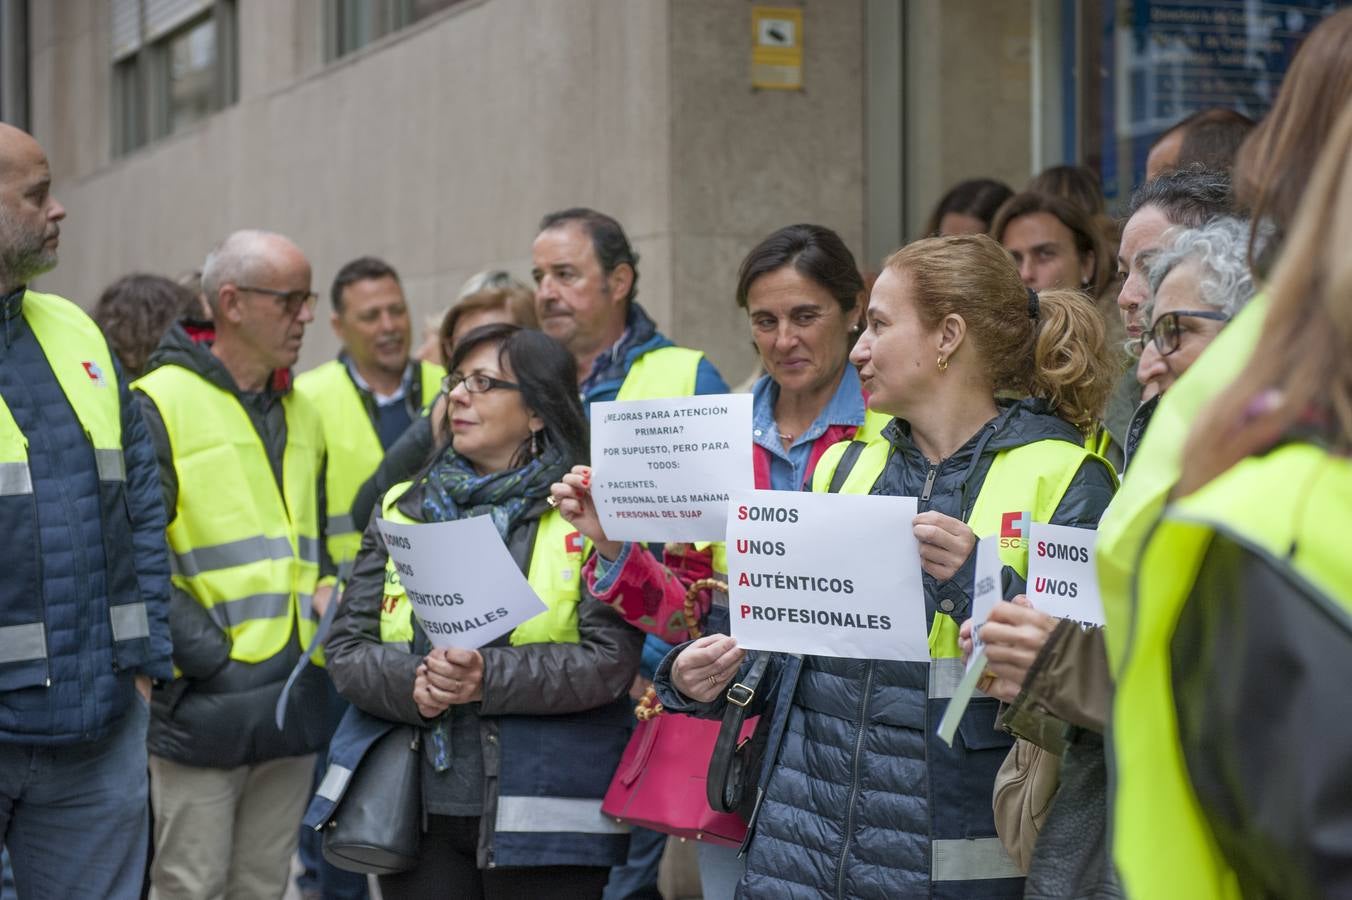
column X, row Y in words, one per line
column 204, row 639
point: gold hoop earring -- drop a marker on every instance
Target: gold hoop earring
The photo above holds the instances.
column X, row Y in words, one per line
column 943, row 364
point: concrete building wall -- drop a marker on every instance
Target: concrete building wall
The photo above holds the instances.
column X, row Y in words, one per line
column 746, row 162
column 440, row 146
column 968, row 96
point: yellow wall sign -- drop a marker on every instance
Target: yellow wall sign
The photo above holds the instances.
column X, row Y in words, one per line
column 777, row 48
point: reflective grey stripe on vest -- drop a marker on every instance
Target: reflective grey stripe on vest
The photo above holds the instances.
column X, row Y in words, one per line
column 307, row 606
column 247, row 609
column 341, row 525
column 309, row 548
column 334, row 783
column 944, row 676
column 233, row 553
column 111, row 464
column 15, row 479
column 23, row 642
column 129, row 621
column 555, row 814
column 970, row 860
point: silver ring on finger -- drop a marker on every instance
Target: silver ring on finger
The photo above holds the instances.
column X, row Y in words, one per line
column 552, row 501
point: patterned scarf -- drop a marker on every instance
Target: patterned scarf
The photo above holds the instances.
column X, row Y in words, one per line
column 455, row 491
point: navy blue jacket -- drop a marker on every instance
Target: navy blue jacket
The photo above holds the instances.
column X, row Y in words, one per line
column 89, row 548
column 861, row 799
column 552, row 723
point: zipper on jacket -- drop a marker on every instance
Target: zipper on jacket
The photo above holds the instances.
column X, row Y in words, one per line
column 929, row 482
column 854, row 775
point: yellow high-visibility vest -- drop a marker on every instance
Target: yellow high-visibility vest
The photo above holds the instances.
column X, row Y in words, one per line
column 352, row 445
column 1023, row 484
column 1155, row 468
column 664, row 372
column 79, row 358
column 1288, row 503
column 555, row 574
column 246, row 551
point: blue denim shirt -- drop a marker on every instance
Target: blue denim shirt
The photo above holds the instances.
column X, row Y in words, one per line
column 788, row 468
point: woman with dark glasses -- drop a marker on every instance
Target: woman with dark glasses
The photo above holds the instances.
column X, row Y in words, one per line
column 1197, row 285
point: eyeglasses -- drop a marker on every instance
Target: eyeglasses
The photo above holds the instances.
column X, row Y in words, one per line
column 476, row 383
column 292, row 301
column 1167, row 331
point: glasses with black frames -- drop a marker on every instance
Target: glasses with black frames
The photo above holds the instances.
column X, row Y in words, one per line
column 476, row 383
column 291, row 301
column 1168, row 330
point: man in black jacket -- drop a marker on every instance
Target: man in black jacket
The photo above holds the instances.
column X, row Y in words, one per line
column 242, row 467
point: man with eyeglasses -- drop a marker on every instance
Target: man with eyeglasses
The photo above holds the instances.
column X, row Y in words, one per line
column 242, row 473
column 367, row 398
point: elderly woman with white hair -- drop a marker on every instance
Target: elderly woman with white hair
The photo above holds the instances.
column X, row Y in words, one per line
column 1197, row 285
column 1050, row 798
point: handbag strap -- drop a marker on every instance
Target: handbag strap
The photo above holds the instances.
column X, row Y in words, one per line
column 321, row 633
column 739, row 696
column 648, row 705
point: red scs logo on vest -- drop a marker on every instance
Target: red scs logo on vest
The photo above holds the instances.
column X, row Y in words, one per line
column 1014, row 530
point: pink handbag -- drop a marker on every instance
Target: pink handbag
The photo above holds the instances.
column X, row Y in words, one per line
column 660, row 783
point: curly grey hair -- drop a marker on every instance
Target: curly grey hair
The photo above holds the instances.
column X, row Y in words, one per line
column 1220, row 251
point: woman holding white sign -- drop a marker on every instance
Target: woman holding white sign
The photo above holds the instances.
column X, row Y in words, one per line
column 885, row 808
column 803, row 296
column 519, row 737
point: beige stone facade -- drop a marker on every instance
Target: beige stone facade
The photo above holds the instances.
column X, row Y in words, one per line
column 439, row 146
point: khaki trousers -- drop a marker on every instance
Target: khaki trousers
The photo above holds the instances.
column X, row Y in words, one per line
column 226, row 834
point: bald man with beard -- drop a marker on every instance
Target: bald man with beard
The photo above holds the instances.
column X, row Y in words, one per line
column 85, row 581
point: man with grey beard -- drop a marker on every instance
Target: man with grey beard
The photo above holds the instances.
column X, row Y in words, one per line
column 85, row 582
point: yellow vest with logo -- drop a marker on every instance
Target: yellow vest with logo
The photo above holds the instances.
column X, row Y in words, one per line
column 664, row 372
column 79, row 357
column 352, row 445
column 1030, row 479
column 1155, row 468
column 1289, row 503
column 247, row 552
column 555, row 574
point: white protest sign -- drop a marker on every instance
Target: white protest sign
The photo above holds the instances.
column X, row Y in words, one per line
column 464, row 586
column 987, row 589
column 1062, row 581
column 662, row 470
column 826, row 574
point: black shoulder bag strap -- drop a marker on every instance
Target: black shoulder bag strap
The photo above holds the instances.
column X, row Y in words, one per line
column 728, row 779
column 730, row 785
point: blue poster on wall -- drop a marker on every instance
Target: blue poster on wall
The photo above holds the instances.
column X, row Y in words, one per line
column 1166, row 59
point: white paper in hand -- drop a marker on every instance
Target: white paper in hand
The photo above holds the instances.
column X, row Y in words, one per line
column 663, row 469
column 987, row 590
column 1062, row 580
column 463, row 585
column 826, row 574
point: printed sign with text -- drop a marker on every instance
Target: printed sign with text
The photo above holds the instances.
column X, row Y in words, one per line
column 826, row 574
column 662, row 470
column 464, row 586
column 987, row 590
column 1062, row 581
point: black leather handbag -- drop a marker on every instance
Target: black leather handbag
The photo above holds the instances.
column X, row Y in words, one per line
column 378, row 823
